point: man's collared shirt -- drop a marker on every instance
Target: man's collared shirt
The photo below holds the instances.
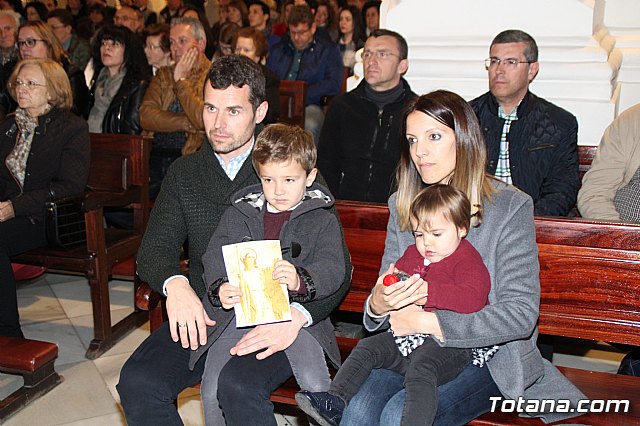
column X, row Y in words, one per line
column 235, row 163
column 503, row 168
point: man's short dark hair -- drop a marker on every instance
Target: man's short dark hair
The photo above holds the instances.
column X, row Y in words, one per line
column 263, row 6
column 237, row 71
column 518, row 36
column 300, row 14
column 64, row 16
column 402, row 43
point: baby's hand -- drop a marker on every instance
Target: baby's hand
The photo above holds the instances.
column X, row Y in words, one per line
column 229, row 295
column 423, row 288
column 286, row 273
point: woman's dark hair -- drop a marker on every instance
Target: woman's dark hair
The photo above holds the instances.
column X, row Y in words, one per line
column 134, row 58
column 40, row 9
column 359, row 35
column 161, row 30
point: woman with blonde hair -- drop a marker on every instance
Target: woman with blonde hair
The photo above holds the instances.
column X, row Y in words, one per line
column 444, row 144
column 44, row 153
column 36, row 40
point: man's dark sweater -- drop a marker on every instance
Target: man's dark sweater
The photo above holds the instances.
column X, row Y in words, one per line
column 195, row 193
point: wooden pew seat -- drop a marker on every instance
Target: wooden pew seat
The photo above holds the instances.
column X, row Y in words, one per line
column 34, row 361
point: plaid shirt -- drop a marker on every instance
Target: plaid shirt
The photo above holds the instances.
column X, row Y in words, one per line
column 235, row 163
column 503, row 168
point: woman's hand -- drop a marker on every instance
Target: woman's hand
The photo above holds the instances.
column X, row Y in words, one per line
column 412, row 319
column 385, row 299
column 229, row 295
column 286, row 274
column 6, row 211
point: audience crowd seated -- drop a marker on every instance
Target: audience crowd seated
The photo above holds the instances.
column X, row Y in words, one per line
column 531, row 142
column 45, row 152
column 147, row 73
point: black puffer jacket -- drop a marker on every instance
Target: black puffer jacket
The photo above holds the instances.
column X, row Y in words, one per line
column 360, row 146
column 123, row 114
column 58, row 163
column 542, row 151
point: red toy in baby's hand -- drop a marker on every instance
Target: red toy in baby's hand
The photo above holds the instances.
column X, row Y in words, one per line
column 390, row 279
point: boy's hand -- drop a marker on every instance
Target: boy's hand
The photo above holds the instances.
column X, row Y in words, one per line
column 286, row 273
column 229, row 295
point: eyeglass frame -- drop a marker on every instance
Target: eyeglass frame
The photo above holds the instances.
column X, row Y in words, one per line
column 152, row 47
column 29, row 42
column 382, row 55
column 510, row 63
column 28, row 85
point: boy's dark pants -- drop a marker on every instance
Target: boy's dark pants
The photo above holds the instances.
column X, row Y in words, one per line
column 424, row 369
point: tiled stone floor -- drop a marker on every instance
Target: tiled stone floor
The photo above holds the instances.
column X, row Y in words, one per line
column 57, row 308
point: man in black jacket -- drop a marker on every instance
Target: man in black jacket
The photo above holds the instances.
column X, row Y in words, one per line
column 531, row 142
column 360, row 140
column 192, row 199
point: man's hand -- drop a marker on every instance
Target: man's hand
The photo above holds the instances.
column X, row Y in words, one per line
column 185, row 64
column 6, row 211
column 272, row 338
column 187, row 318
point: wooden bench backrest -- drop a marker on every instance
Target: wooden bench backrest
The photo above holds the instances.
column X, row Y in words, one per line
column 293, row 95
column 589, row 272
column 590, row 279
column 585, row 157
column 116, row 162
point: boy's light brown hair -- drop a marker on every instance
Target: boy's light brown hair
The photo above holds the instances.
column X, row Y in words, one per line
column 446, row 199
column 281, row 143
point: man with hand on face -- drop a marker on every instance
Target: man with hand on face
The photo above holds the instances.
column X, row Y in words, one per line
column 196, row 192
column 172, row 106
column 531, row 143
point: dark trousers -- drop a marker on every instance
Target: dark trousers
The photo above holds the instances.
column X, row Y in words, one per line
column 244, row 387
column 427, row 367
column 17, row 235
column 152, row 378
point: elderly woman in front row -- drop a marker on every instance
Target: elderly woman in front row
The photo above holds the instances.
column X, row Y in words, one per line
column 44, row 153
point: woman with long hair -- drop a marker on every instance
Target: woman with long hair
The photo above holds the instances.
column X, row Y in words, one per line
column 444, row 144
column 120, row 81
column 352, row 36
column 36, row 40
column 44, row 152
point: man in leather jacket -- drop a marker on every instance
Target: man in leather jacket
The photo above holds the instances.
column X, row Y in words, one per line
column 531, row 142
column 360, row 141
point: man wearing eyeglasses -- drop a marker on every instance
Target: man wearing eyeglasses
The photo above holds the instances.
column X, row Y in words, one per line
column 303, row 56
column 61, row 23
column 531, row 143
column 360, row 140
column 129, row 16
